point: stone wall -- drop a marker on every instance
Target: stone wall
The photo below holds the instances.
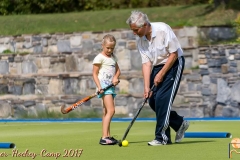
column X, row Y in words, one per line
column 213, row 88
column 45, row 71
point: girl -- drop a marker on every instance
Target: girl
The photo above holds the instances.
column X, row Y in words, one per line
column 106, row 72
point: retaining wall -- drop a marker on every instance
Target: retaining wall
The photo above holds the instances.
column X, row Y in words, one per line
column 45, row 71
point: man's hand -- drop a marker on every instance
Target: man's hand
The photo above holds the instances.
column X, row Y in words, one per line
column 168, row 65
column 147, row 93
column 158, row 78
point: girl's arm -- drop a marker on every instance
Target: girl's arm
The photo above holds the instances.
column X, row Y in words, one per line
column 95, row 72
column 116, row 76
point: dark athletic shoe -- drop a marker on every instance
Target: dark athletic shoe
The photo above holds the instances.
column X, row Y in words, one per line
column 113, row 139
column 106, row 141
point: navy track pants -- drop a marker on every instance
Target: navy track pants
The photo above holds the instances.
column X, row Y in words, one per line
column 162, row 99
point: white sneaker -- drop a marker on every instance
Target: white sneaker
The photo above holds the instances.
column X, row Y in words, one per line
column 180, row 133
column 155, row 143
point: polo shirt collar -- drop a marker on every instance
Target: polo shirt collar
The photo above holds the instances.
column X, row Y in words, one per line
column 153, row 31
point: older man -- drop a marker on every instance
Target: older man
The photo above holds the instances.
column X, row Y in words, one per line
column 162, row 66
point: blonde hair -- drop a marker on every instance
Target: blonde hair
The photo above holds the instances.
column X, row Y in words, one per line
column 109, row 38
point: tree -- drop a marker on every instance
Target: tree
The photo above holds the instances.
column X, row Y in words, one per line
column 220, row 2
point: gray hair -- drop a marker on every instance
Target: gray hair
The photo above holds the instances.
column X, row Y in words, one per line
column 137, row 17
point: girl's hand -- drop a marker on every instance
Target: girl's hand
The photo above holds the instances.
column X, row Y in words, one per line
column 100, row 90
column 115, row 81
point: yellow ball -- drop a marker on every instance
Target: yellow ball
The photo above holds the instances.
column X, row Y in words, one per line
column 125, row 143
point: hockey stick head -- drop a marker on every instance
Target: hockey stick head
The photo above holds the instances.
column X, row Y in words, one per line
column 66, row 110
column 134, row 118
column 120, row 143
column 63, row 109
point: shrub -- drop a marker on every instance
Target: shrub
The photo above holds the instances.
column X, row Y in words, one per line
column 61, row 6
column 7, row 51
column 237, row 24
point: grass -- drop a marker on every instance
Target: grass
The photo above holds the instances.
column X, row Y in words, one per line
column 175, row 16
column 58, row 137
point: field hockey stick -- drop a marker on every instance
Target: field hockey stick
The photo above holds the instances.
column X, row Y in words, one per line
column 134, row 118
column 80, row 102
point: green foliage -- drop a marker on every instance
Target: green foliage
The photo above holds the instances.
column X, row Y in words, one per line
column 227, row 4
column 123, row 92
column 62, row 6
column 97, row 5
column 5, row 7
column 237, row 24
column 37, row 6
column 195, row 67
column 175, row 16
column 233, row 4
column 7, row 51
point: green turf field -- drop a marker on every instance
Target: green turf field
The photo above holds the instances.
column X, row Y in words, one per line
column 60, row 138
